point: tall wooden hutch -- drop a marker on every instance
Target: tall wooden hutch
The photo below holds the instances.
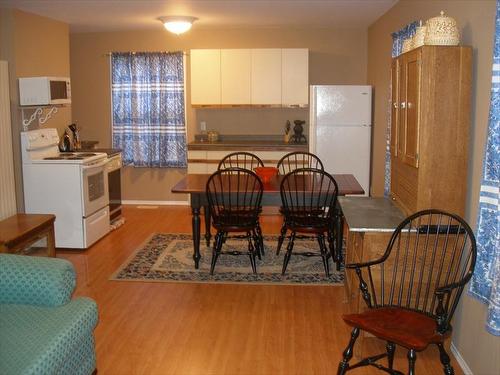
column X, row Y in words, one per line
column 431, row 94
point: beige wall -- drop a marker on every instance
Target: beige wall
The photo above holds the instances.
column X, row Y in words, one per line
column 476, row 19
column 336, row 57
column 33, row 46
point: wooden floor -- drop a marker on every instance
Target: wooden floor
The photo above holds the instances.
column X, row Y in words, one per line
column 175, row 328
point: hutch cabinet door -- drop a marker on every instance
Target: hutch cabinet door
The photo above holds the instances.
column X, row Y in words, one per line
column 394, row 107
column 412, row 69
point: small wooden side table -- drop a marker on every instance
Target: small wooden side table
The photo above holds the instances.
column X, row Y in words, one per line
column 21, row 230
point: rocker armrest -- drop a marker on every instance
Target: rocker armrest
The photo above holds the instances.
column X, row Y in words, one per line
column 365, row 264
column 38, row 281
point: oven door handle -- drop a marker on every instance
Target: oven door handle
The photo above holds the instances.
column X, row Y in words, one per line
column 98, row 165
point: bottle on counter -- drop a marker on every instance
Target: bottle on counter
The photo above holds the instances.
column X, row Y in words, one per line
column 288, row 126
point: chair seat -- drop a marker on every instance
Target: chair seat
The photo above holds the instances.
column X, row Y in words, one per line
column 236, row 222
column 308, row 224
column 407, row 328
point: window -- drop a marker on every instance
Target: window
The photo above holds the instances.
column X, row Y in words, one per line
column 148, row 121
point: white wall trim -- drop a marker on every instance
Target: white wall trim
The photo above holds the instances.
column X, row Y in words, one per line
column 156, row 203
column 461, row 361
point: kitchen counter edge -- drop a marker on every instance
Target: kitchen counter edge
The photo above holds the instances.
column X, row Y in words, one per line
column 247, row 146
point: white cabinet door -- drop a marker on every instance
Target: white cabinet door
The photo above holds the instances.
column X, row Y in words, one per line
column 235, row 76
column 295, row 76
column 266, row 76
column 205, row 76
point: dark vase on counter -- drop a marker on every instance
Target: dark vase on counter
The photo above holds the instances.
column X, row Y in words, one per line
column 298, row 129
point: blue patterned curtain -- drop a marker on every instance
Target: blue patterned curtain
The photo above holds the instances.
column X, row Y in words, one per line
column 397, row 47
column 485, row 283
column 148, row 108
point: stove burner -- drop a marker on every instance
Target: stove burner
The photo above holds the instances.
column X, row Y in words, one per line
column 71, row 156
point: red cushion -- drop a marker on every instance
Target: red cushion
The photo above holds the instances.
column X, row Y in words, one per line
column 410, row 329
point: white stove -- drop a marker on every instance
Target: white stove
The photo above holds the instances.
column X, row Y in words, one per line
column 73, row 186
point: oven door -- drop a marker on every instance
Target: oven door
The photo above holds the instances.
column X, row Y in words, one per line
column 95, row 187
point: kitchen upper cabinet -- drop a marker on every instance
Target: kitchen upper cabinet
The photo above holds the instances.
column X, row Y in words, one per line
column 295, row 76
column 266, row 76
column 431, row 89
column 205, row 76
column 235, row 73
column 270, row 76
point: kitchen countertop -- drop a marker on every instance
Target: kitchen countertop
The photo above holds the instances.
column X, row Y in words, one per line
column 109, row 151
column 262, row 143
column 367, row 214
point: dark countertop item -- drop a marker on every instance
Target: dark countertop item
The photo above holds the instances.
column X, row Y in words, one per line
column 86, row 145
column 246, row 143
column 109, row 151
column 367, row 214
column 89, row 146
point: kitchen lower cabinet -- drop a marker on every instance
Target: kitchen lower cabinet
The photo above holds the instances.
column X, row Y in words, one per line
column 430, row 122
column 201, row 162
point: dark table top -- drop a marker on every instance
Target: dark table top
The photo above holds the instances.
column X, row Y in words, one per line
column 196, row 183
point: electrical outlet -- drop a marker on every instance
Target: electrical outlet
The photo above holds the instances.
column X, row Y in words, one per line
column 203, row 126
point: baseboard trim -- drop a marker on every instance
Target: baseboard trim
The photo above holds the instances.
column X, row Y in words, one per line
column 155, row 203
column 461, row 361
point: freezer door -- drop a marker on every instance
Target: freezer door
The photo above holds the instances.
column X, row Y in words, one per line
column 346, row 150
column 343, row 105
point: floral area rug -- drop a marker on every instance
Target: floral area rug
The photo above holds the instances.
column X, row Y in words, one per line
column 169, row 258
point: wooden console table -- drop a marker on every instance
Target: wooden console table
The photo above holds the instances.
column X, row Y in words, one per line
column 21, row 230
column 370, row 224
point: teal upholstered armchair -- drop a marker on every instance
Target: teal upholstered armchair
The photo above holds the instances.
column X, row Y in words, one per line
column 43, row 331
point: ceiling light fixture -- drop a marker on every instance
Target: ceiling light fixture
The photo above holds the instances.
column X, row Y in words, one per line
column 177, row 24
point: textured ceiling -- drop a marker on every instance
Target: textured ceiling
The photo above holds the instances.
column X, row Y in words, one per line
column 112, row 15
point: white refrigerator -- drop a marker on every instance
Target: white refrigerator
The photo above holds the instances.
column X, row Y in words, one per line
column 340, row 128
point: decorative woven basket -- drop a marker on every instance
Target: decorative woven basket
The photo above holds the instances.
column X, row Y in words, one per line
column 419, row 37
column 441, row 31
column 407, row 45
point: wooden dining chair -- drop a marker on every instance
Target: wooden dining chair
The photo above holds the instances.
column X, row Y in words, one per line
column 234, row 196
column 298, row 159
column 301, row 159
column 412, row 291
column 308, row 199
column 245, row 160
column 240, row 159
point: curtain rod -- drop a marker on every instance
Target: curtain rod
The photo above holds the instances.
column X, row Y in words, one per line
column 134, row 52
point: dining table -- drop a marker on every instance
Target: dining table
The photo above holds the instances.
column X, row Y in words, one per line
column 195, row 186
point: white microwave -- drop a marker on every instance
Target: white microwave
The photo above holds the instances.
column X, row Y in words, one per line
column 44, row 90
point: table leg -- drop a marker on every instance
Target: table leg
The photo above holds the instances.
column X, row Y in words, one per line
column 51, row 242
column 196, row 235
column 208, row 235
column 339, row 223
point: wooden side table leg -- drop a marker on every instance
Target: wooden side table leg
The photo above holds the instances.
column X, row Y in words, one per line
column 51, row 242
